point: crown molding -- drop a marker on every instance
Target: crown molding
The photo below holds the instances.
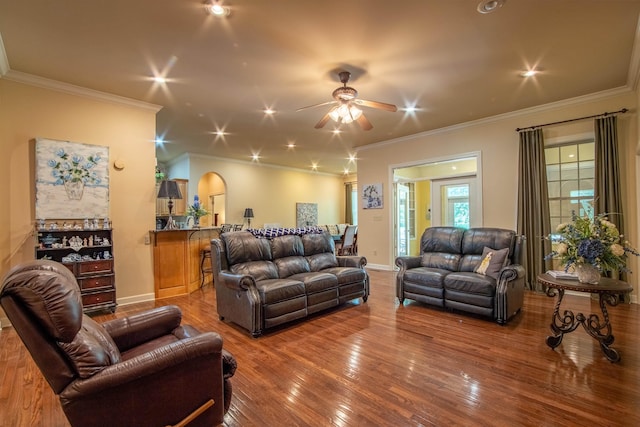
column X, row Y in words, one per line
column 33, row 80
column 500, row 117
column 633, row 76
column 4, row 61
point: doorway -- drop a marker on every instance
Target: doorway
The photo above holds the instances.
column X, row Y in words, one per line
column 217, row 209
column 435, row 193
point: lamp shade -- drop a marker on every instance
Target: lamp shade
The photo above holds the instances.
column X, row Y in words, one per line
column 169, row 190
column 248, row 213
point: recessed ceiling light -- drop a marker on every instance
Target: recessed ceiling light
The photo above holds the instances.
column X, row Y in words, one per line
column 336, row 131
column 215, row 8
column 159, row 79
column 255, row 157
column 352, row 158
column 269, row 111
column 529, row 73
column 488, row 6
column 314, row 166
column 291, row 145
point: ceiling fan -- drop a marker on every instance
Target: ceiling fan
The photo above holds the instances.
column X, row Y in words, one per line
column 346, row 105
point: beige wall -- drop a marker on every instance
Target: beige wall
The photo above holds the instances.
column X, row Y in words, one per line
column 27, row 112
column 272, row 192
column 497, row 141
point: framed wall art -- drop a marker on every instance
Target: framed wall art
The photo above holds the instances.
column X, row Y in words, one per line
column 306, row 214
column 72, row 180
column 372, row 196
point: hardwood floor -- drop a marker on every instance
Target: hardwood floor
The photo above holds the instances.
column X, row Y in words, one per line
column 381, row 364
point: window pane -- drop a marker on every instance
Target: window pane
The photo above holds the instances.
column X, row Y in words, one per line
column 554, row 189
column 553, row 172
column 554, row 208
column 587, row 151
column 568, row 153
column 552, row 155
column 568, row 188
column 588, row 169
column 586, row 187
column 569, row 171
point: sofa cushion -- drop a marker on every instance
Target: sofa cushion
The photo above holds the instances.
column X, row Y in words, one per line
column 286, row 246
column 322, row 261
column 291, row 265
column 424, row 276
column 277, row 290
column 347, row 274
column 317, row 244
column 316, row 281
column 442, row 239
column 92, row 349
column 470, row 283
column 492, row 262
column 260, row 270
column 242, row 246
column 440, row 260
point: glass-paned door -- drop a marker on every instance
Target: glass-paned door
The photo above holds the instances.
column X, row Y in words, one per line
column 402, row 219
column 454, row 203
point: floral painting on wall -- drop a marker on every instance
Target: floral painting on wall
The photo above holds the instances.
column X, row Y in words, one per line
column 72, row 180
column 372, row 196
column 306, row 214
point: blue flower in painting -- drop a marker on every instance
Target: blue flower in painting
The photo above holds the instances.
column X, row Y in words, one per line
column 75, row 169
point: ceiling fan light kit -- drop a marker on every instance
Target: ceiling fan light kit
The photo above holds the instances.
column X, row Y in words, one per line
column 488, row 6
column 347, row 110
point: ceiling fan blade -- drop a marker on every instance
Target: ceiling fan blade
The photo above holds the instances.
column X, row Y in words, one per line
column 317, row 105
column 323, row 121
column 376, row 104
column 364, row 123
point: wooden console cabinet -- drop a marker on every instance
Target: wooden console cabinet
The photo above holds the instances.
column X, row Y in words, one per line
column 88, row 254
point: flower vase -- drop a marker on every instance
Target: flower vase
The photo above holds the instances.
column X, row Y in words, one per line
column 587, row 273
column 196, row 222
column 74, row 189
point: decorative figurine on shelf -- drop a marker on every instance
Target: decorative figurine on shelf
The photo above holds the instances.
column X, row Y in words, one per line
column 64, row 241
column 105, row 223
column 106, row 255
column 90, row 240
column 77, row 226
column 66, row 226
column 53, row 226
column 87, row 226
column 105, row 242
column 41, row 224
column 75, row 243
column 96, row 224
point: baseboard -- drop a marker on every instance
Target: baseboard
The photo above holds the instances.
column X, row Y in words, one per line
column 379, row 267
column 136, row 299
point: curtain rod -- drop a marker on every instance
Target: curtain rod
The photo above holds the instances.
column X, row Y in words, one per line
column 605, row 114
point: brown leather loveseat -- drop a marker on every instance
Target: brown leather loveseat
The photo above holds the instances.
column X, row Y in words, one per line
column 262, row 282
column 143, row 370
column 449, row 271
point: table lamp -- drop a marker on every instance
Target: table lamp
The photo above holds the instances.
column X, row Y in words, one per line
column 248, row 214
column 169, row 190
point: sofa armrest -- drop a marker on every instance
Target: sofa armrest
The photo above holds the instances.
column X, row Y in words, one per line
column 237, row 282
column 509, row 292
column 138, row 328
column 154, row 362
column 407, row 262
column 129, row 386
column 351, row 261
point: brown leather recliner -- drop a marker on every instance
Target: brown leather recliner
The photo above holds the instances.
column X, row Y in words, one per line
column 145, row 369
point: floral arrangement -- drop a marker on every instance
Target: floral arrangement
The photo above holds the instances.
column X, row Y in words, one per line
column 74, row 168
column 594, row 241
column 196, row 210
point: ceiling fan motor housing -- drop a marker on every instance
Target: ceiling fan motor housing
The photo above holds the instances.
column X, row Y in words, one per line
column 345, row 93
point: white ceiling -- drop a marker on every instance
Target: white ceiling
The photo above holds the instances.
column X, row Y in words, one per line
column 454, row 63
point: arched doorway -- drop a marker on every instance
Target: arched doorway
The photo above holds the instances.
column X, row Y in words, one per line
column 212, row 191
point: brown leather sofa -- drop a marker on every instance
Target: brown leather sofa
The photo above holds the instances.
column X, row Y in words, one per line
column 445, row 273
column 143, row 370
column 264, row 282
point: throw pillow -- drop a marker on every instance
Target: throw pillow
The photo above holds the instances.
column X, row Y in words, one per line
column 492, row 262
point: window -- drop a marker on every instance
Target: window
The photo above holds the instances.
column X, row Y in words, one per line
column 411, row 214
column 570, row 180
column 354, row 205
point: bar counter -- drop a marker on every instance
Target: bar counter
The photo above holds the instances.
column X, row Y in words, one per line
column 176, row 259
